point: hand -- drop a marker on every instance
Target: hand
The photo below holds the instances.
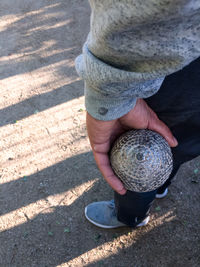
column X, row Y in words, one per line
column 103, row 133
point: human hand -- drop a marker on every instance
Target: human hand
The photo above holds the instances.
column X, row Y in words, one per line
column 103, row 133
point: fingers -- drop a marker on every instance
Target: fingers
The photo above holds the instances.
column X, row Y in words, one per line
column 160, row 127
column 143, row 117
column 101, row 134
column 103, row 164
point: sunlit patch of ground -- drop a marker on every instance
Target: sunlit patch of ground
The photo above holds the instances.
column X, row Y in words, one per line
column 47, row 170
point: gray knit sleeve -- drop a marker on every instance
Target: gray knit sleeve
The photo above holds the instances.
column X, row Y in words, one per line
column 131, row 47
column 112, row 92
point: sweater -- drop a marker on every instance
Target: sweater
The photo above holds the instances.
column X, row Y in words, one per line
column 132, row 45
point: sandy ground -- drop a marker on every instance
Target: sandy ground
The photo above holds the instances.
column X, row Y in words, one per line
column 47, row 170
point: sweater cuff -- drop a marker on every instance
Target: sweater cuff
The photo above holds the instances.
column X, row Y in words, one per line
column 111, row 92
column 104, row 108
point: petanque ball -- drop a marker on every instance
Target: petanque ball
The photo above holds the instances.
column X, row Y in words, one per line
column 142, row 160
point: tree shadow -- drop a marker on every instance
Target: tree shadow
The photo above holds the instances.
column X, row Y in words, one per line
column 59, row 234
column 56, row 228
column 56, row 179
column 41, row 34
column 40, row 102
column 39, row 37
column 168, row 244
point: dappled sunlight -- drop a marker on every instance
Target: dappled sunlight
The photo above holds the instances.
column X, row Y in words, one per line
column 20, row 87
column 34, row 52
column 167, row 217
column 61, row 135
column 8, row 20
column 43, row 206
column 121, row 242
column 94, row 255
column 48, row 173
column 45, row 48
column 48, row 27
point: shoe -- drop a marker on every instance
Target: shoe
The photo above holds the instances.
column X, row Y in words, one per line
column 102, row 214
column 162, row 194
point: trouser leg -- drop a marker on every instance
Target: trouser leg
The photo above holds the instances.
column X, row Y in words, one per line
column 178, row 105
column 188, row 135
column 133, row 207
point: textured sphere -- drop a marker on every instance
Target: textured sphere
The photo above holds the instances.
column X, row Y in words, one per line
column 142, row 159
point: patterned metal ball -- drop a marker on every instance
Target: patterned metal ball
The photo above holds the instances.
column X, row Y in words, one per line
column 142, row 159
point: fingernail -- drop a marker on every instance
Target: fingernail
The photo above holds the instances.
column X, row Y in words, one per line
column 122, row 191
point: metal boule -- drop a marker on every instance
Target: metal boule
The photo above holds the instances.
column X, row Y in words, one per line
column 142, row 160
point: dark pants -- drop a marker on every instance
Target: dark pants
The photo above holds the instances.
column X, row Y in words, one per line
column 177, row 103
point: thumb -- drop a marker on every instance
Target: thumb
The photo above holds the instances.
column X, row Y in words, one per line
column 160, row 127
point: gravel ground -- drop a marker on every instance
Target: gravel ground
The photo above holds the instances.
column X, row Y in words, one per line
column 47, row 170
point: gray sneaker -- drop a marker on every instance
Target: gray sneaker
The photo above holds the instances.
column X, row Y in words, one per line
column 102, row 214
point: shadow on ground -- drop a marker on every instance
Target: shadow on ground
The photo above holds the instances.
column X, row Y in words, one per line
column 60, row 234
column 40, row 102
column 42, row 215
column 40, row 39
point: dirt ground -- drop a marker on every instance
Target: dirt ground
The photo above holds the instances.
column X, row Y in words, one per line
column 47, row 170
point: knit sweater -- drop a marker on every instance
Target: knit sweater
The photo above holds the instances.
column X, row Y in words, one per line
column 132, row 45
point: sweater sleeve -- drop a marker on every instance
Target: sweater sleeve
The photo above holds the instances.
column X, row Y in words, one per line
column 131, row 47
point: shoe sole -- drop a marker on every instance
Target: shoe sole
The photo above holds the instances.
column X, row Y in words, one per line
column 143, row 223
column 163, row 194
